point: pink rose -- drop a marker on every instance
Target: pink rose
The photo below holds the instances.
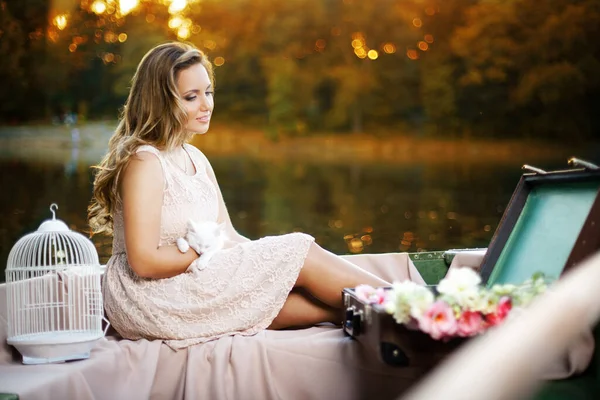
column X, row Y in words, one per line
column 370, row 295
column 502, row 310
column 438, row 321
column 470, row 323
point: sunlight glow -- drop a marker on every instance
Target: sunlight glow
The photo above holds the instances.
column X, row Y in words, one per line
column 61, row 21
column 98, row 7
column 177, row 6
column 175, row 22
column 183, row 32
column 126, row 6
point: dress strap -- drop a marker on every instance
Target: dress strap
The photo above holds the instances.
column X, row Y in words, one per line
column 198, row 158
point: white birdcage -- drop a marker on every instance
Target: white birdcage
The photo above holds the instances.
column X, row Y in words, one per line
column 54, row 300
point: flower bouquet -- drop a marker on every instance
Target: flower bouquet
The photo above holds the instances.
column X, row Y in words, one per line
column 411, row 324
column 458, row 307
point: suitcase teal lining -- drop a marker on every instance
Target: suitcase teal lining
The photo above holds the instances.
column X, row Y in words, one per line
column 545, row 232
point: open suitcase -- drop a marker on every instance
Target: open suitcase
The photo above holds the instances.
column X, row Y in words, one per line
column 552, row 222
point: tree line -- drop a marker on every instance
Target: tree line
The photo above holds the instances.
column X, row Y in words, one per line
column 451, row 68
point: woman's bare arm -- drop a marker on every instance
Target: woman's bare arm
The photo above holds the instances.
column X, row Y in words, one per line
column 142, row 187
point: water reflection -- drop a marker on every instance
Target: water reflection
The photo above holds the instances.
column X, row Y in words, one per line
column 347, row 207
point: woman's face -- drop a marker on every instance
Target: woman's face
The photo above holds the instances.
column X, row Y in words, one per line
column 196, row 90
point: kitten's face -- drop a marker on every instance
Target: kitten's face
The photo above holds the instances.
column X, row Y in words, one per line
column 205, row 235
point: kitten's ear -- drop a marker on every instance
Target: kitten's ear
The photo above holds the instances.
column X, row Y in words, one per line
column 191, row 226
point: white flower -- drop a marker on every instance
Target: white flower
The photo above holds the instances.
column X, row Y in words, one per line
column 407, row 300
column 461, row 285
column 484, row 302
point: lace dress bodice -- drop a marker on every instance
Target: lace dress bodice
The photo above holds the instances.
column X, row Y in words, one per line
column 184, row 197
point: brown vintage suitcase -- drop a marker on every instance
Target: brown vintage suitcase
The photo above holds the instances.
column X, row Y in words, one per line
column 551, row 223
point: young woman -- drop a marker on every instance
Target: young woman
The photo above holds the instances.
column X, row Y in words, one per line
column 151, row 182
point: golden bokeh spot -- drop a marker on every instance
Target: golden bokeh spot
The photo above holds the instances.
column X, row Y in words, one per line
column 417, row 22
column 183, row 32
column 368, row 229
column 367, row 239
column 110, row 37
column 429, row 10
column 108, row 57
column 348, row 237
column 150, row 18
column 196, row 29
column 389, row 48
column 373, row 54
column 321, row 43
column 72, row 47
column 61, row 21
column 126, row 6
column 423, row 46
column 360, row 52
column 219, row 61
column 98, row 7
column 210, row 44
column 357, row 35
column 355, row 245
column 122, row 37
column 412, row 54
column 78, row 40
column 429, row 38
column 487, row 228
column 175, row 22
column 177, row 6
column 357, row 43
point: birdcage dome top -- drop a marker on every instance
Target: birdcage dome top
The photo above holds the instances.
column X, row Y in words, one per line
column 52, row 246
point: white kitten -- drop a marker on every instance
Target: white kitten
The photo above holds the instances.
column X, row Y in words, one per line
column 206, row 238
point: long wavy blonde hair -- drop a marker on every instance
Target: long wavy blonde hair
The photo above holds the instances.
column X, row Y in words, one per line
column 153, row 114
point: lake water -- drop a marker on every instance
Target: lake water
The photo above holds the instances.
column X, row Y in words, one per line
column 349, row 207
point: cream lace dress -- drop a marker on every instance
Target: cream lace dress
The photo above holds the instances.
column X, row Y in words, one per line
column 240, row 292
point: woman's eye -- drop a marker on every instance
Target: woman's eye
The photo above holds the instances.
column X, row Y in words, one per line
column 209, row 93
column 191, row 98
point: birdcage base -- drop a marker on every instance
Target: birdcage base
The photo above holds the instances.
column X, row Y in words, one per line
column 55, row 347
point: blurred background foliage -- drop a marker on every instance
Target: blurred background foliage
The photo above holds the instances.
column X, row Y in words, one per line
column 441, row 68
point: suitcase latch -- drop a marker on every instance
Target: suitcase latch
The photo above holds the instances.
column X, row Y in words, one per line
column 353, row 321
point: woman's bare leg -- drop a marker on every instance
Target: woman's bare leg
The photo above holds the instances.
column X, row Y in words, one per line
column 301, row 310
column 325, row 275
